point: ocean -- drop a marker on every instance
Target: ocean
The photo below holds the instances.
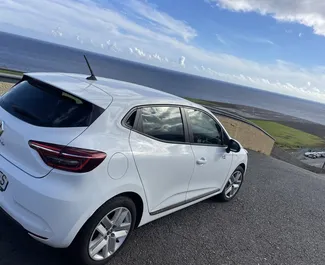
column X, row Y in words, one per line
column 25, row 54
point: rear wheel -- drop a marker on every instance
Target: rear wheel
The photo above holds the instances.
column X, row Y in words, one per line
column 106, row 232
column 233, row 185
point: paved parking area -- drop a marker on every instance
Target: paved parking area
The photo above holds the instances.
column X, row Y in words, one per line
column 278, row 218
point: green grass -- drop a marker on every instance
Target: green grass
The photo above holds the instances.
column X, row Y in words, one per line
column 7, row 71
column 289, row 138
column 201, row 101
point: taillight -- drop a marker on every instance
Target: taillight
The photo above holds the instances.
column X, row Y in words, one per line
column 68, row 158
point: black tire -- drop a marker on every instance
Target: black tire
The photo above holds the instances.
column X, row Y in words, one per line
column 79, row 247
column 222, row 196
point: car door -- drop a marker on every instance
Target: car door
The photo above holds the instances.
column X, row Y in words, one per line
column 212, row 162
column 163, row 156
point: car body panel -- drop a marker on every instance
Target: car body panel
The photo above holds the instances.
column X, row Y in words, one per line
column 55, row 208
column 71, row 197
column 164, row 168
column 14, row 143
column 58, row 205
column 210, row 176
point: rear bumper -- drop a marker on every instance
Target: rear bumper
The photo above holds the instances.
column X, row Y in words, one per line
column 50, row 210
column 18, row 224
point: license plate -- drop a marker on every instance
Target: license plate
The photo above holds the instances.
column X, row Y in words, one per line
column 3, row 182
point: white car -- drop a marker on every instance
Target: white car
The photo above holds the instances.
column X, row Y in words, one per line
column 83, row 163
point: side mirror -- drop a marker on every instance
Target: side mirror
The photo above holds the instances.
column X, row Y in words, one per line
column 233, row 146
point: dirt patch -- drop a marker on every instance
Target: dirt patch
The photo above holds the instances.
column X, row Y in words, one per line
column 4, row 87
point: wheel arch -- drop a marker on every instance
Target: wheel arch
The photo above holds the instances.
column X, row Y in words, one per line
column 133, row 192
column 243, row 166
column 136, row 198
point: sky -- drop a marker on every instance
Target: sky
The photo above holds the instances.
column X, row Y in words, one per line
column 274, row 45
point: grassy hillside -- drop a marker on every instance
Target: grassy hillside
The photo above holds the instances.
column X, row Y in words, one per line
column 202, row 102
column 289, row 138
column 6, row 71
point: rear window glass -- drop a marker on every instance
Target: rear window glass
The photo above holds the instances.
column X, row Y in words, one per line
column 43, row 105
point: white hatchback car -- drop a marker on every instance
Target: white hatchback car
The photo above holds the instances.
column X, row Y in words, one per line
column 83, row 163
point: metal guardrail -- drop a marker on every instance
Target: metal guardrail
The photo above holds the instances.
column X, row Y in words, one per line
column 10, row 78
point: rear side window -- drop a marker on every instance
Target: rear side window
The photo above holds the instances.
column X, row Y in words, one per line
column 130, row 121
column 42, row 105
column 163, row 123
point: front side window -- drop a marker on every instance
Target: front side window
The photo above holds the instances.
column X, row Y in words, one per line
column 163, row 123
column 205, row 130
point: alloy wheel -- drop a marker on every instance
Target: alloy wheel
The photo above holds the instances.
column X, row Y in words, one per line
column 110, row 234
column 233, row 184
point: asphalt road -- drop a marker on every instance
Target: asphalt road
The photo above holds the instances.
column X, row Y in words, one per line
column 277, row 218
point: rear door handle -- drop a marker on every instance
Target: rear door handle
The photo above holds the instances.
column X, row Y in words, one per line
column 201, row 161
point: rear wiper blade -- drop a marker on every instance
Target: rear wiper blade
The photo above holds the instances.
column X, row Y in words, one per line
column 25, row 113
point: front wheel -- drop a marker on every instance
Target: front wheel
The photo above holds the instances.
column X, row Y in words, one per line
column 105, row 233
column 233, row 185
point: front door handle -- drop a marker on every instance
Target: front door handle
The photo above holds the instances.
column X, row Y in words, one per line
column 201, row 161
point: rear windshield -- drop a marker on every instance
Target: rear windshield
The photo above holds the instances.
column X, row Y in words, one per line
column 42, row 105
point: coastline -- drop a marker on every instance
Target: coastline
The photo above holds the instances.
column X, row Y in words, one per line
column 247, row 112
column 252, row 113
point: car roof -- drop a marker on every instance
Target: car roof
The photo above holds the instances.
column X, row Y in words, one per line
column 104, row 90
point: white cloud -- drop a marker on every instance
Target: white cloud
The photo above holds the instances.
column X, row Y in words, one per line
column 165, row 42
column 310, row 13
column 139, row 52
column 159, row 19
column 57, row 32
column 181, row 61
column 156, row 56
column 112, row 46
column 220, row 39
column 255, row 39
column 79, row 39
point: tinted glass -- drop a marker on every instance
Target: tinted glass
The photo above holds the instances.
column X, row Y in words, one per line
column 131, row 119
column 205, row 129
column 42, row 105
column 164, row 123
